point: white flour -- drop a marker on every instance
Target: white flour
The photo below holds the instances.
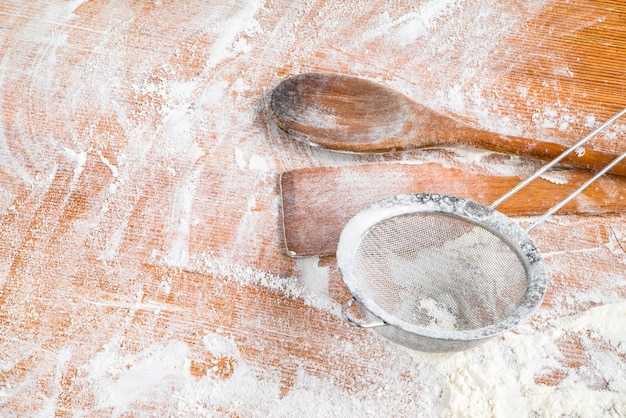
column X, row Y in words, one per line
column 495, row 379
column 500, row 379
column 162, row 373
column 186, row 156
column 441, row 317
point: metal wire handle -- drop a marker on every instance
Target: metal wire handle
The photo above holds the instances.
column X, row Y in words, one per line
column 558, row 159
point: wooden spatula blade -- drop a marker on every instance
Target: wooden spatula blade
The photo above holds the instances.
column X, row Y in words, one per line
column 318, row 202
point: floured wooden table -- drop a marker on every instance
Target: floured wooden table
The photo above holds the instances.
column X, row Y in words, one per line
column 142, row 269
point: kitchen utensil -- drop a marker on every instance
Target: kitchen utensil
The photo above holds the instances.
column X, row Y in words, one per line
column 442, row 273
column 317, row 202
column 344, row 113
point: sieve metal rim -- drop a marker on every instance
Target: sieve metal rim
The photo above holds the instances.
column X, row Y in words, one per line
column 490, row 219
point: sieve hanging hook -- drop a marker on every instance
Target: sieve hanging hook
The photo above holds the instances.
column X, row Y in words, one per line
column 361, row 323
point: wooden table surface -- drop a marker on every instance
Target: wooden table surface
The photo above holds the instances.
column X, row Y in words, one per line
column 142, row 271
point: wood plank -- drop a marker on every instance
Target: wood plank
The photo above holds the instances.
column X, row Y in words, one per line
column 141, row 263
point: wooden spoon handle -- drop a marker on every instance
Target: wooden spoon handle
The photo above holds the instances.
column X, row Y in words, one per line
column 443, row 130
column 586, row 157
column 318, row 202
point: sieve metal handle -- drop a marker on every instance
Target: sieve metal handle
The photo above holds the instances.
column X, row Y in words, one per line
column 558, row 159
column 358, row 322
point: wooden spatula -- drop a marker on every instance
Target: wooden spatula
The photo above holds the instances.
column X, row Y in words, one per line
column 317, row 202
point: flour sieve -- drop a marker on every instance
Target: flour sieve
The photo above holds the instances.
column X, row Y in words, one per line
column 441, row 273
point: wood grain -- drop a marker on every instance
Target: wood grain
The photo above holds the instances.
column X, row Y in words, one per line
column 142, row 269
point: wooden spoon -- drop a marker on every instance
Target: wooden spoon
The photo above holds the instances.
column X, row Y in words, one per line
column 343, row 113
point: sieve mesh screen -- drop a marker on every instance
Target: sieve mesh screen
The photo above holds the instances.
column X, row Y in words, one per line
column 440, row 271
